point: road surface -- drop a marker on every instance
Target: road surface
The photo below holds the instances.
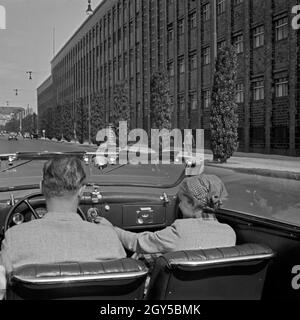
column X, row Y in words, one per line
column 269, row 197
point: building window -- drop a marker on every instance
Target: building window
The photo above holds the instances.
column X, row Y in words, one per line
column 240, row 93
column 170, row 34
column 221, row 44
column 206, row 56
column 171, row 70
column 137, row 6
column 193, row 21
column 120, row 70
column 193, row 101
column 281, row 27
column 282, row 87
column 139, row 110
column 193, row 62
column 131, row 63
column 239, row 43
column 237, row 2
column 206, row 12
column 181, row 66
column 221, row 6
column 125, row 11
column 258, row 37
column 181, row 104
column 125, row 65
column 206, row 99
column 181, row 27
column 258, row 90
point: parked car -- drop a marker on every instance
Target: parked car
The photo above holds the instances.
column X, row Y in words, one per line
column 27, row 135
column 13, row 136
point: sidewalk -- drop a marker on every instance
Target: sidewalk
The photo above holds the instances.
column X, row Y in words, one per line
column 260, row 164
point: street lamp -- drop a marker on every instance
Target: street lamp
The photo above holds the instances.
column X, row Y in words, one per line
column 89, row 10
column 30, row 74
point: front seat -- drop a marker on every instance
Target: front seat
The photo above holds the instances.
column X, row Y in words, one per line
column 236, row 273
column 112, row 280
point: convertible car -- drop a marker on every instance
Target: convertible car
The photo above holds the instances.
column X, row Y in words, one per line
column 144, row 197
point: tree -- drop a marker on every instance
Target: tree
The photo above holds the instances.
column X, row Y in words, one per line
column 67, row 122
column 57, row 123
column 81, row 121
column 97, row 115
column 46, row 122
column 224, row 118
column 29, row 123
column 121, row 107
column 13, row 125
column 160, row 101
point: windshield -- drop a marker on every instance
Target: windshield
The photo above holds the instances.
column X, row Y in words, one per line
column 65, row 77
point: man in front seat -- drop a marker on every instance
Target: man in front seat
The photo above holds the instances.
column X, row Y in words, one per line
column 61, row 236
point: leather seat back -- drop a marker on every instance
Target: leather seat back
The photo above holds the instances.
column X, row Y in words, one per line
column 112, row 280
column 236, row 273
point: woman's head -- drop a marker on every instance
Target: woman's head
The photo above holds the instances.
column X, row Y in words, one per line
column 201, row 193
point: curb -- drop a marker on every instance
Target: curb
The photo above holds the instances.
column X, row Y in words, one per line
column 261, row 172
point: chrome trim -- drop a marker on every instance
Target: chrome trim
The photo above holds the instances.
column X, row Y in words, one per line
column 222, row 260
column 80, row 278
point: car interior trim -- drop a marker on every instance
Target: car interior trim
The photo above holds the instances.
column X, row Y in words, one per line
column 80, row 278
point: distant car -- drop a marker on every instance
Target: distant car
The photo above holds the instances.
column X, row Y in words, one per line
column 13, row 136
column 34, row 136
column 27, row 135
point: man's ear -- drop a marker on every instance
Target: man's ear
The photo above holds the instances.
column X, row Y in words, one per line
column 80, row 191
column 41, row 187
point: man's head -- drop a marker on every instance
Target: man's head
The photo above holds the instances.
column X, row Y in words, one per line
column 63, row 178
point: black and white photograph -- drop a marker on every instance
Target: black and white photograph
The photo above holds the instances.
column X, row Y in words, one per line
column 150, row 152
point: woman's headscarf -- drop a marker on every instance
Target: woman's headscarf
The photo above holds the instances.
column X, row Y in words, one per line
column 203, row 192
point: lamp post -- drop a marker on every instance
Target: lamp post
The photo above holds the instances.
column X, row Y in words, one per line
column 89, row 10
column 29, row 74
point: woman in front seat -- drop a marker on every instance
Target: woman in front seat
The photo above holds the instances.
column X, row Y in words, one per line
column 199, row 229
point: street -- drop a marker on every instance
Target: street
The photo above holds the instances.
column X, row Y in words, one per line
column 254, row 194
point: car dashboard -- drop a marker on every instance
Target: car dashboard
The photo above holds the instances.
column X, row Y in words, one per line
column 135, row 209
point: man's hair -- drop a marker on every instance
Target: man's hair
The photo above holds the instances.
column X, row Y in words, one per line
column 62, row 176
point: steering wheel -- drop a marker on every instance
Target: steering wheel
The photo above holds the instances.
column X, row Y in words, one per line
column 26, row 201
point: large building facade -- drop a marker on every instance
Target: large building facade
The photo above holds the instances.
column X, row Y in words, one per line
column 128, row 40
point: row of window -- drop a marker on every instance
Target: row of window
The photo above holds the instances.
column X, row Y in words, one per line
column 258, row 89
column 258, row 41
column 206, row 58
column 258, row 92
column 281, row 90
column 181, row 65
column 281, row 32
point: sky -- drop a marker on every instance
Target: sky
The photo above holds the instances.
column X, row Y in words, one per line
column 27, row 44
